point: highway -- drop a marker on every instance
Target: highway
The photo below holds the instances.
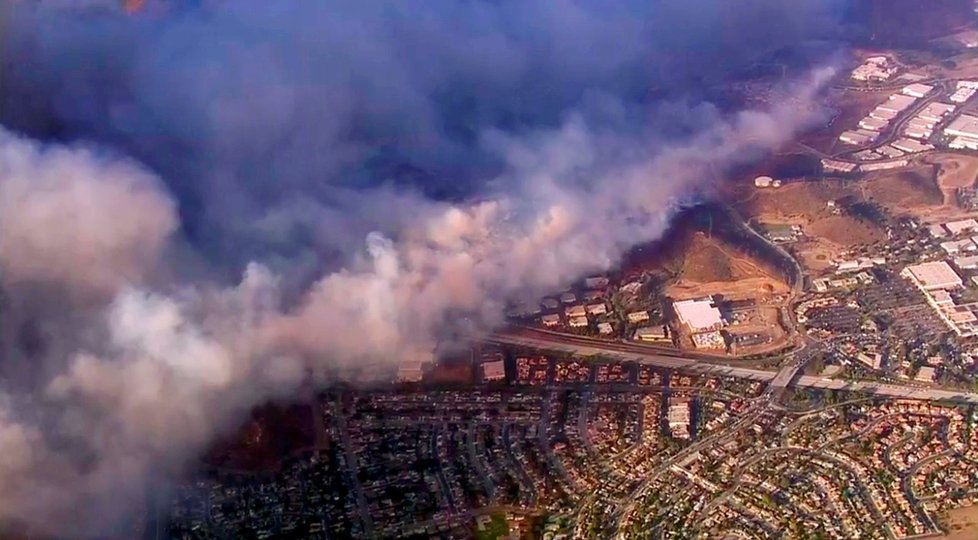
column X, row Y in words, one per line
column 640, row 354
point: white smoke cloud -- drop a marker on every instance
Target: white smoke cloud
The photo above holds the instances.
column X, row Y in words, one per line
column 68, row 216
column 179, row 367
column 146, row 372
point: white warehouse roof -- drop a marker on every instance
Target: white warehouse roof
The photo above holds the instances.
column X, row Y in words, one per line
column 963, row 126
column 897, row 103
column 934, row 275
column 918, row 90
column 699, row 315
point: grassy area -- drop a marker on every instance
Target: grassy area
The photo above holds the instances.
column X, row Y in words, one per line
column 491, row 529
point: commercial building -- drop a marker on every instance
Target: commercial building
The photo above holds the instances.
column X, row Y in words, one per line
column 953, row 247
column 895, row 164
column 961, row 226
column 700, row 315
column 837, row 166
column 873, row 124
column 911, row 146
column 917, row 90
column 931, row 276
column 897, row 103
column 890, row 152
column 678, row 417
column 883, row 114
column 966, row 263
column 964, row 91
column 857, row 138
column 963, row 126
column 493, row 371
column 651, row 333
column 963, row 143
column 937, row 231
column 925, row 374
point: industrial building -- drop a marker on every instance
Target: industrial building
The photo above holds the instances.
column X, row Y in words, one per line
column 651, row 333
column 858, row 137
column 966, row 263
column 964, row 91
column 837, row 166
column 964, row 126
column 678, row 417
column 953, row 247
column 889, row 151
column 700, row 315
column 883, row 114
column 961, row 226
column 931, row 276
column 873, row 124
column 917, row 90
column 897, row 103
column 911, row 146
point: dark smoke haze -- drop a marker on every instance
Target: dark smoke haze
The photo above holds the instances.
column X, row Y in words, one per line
column 201, row 206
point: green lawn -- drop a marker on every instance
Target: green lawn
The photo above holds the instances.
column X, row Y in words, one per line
column 494, row 529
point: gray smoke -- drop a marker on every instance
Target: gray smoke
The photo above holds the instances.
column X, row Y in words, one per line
column 380, row 176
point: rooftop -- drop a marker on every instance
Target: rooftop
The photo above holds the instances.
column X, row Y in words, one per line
column 698, row 315
column 934, row 275
column 965, row 125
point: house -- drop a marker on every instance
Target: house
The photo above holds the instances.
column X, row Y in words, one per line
column 575, row 311
column 597, row 309
column 637, row 316
column 651, row 333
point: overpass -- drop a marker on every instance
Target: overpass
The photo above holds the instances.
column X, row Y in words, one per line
column 640, row 354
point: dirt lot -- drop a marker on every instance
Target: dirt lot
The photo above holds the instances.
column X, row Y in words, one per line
column 827, row 235
column 904, row 191
column 955, row 171
column 844, row 231
column 762, row 286
column 706, row 260
column 709, row 267
column 962, row 524
column 817, row 255
column 798, row 202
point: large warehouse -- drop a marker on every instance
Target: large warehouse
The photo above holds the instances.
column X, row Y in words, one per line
column 931, row 276
column 963, row 126
column 699, row 315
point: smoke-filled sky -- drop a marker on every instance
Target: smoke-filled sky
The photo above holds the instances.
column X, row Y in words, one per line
column 203, row 205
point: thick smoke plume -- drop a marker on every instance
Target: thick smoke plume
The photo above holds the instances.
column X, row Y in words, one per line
column 383, row 177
